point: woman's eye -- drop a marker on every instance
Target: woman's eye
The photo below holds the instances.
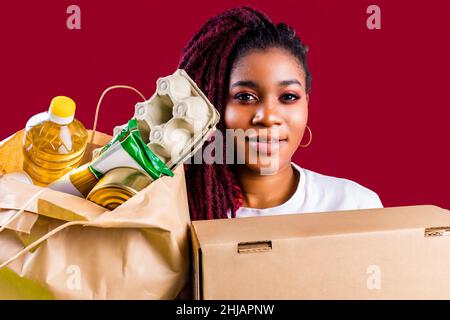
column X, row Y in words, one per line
column 245, row 97
column 289, row 97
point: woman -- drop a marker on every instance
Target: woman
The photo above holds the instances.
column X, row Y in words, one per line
column 256, row 75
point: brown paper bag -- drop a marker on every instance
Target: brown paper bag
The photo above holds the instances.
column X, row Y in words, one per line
column 66, row 247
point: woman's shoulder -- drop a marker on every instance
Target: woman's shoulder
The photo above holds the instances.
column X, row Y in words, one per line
column 342, row 192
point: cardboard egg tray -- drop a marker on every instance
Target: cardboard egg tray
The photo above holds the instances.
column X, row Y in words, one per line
column 176, row 120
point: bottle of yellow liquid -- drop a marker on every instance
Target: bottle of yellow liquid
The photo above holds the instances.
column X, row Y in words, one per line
column 54, row 142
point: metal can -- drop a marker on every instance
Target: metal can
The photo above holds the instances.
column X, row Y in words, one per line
column 117, row 186
column 83, row 179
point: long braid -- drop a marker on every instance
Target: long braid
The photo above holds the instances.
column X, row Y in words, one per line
column 213, row 190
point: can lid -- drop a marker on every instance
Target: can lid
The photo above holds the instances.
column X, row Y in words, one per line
column 111, row 196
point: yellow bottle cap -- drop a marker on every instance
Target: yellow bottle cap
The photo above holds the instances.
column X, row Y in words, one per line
column 62, row 107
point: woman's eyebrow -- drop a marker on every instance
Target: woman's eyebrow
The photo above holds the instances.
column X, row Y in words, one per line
column 254, row 85
column 289, row 82
column 245, row 83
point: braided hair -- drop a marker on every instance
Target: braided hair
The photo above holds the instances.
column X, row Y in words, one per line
column 208, row 58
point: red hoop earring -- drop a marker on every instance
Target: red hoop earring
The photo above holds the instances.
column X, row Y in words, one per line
column 310, row 139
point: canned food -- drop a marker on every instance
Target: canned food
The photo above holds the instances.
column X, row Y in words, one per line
column 83, row 179
column 117, row 186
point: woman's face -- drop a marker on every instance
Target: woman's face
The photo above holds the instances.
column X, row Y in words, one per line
column 267, row 99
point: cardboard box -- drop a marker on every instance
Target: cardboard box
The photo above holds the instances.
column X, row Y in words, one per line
column 391, row 253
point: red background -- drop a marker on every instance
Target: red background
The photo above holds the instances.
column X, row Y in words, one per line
column 379, row 108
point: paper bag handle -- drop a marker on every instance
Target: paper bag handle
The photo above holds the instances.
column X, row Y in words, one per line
column 23, row 208
column 97, row 109
column 40, row 240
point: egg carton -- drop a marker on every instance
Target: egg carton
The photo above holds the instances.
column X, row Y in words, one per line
column 176, row 120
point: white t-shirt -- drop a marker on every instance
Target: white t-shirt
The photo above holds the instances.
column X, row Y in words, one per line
column 319, row 193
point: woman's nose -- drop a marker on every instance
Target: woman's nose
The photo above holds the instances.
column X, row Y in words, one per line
column 267, row 116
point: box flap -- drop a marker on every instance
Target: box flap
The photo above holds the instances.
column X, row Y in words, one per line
column 222, row 231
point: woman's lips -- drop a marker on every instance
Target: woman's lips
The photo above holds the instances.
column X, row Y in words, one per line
column 266, row 145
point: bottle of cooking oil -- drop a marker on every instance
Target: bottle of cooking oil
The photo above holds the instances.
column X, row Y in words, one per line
column 54, row 142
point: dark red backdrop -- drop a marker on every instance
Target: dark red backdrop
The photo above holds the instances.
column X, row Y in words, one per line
column 380, row 106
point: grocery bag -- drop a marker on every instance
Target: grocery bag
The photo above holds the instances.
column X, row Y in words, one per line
column 55, row 245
